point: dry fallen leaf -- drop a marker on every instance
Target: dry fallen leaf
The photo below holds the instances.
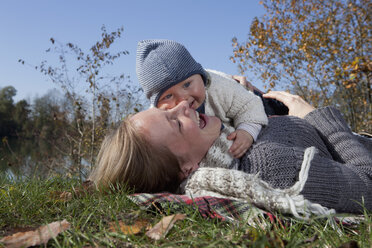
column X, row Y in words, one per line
column 350, row 244
column 275, row 240
column 84, row 189
column 62, row 196
column 129, row 229
column 311, row 240
column 65, row 196
column 251, row 234
column 162, row 227
column 39, row 236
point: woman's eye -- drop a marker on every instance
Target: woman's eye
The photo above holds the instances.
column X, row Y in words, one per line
column 186, row 85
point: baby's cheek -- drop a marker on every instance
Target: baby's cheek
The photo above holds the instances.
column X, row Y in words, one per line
column 164, row 106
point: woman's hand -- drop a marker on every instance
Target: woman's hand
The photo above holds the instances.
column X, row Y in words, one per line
column 243, row 81
column 296, row 105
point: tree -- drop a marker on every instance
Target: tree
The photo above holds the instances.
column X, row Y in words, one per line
column 7, row 124
column 47, row 118
column 6, row 99
column 21, row 117
column 320, row 50
column 80, row 71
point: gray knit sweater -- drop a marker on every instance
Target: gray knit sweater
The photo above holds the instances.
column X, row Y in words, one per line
column 233, row 104
column 339, row 175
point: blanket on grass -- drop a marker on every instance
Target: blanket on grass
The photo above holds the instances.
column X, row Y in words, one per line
column 208, row 206
column 223, row 209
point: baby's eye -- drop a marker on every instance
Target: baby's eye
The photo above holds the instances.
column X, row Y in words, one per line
column 186, row 85
column 167, row 97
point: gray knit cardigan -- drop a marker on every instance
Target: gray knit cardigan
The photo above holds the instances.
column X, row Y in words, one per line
column 296, row 165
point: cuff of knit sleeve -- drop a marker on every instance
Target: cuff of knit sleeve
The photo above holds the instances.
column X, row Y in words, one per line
column 327, row 120
column 252, row 128
column 322, row 185
column 328, row 184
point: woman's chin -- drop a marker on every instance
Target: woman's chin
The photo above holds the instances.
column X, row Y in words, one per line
column 214, row 124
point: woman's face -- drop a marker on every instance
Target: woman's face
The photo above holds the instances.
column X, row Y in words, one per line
column 185, row 132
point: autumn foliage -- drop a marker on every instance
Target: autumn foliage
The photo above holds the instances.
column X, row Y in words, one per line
column 320, row 50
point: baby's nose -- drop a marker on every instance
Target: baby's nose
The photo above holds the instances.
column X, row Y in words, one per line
column 182, row 98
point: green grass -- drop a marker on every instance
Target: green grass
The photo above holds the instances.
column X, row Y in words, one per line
column 32, row 203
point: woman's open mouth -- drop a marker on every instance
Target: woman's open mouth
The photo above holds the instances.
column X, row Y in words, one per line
column 202, row 120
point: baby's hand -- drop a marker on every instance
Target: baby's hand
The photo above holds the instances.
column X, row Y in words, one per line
column 242, row 141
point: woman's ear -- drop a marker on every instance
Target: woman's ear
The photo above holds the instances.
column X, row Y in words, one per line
column 186, row 169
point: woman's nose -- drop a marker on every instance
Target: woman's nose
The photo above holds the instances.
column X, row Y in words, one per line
column 182, row 107
column 183, row 104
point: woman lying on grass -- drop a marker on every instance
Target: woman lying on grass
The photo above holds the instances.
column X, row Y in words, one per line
column 306, row 162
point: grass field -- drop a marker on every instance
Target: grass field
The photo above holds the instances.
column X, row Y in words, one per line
column 28, row 204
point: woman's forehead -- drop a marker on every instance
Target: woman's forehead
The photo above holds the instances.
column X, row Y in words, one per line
column 151, row 119
column 146, row 114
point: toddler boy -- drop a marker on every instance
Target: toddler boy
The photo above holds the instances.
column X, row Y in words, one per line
column 168, row 75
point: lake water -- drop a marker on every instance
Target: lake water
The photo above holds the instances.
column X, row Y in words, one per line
column 27, row 158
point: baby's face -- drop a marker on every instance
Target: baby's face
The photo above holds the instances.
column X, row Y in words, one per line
column 191, row 90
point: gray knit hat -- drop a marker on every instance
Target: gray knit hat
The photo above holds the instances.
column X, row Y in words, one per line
column 161, row 64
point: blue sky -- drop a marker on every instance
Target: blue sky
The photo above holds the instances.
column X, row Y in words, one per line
column 205, row 27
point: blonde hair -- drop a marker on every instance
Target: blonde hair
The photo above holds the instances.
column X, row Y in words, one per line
column 126, row 158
